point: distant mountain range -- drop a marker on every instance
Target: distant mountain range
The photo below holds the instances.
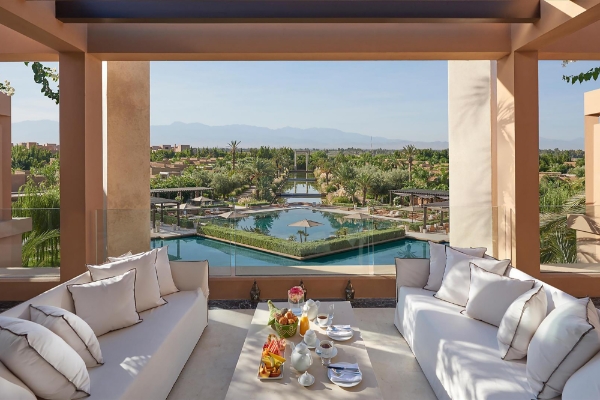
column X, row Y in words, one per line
column 200, row 135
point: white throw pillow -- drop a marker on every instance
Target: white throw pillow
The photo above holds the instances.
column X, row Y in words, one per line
column 411, row 272
column 12, row 387
column 520, row 322
column 108, row 304
column 457, row 277
column 147, row 291
column 163, row 270
column 584, row 384
column 567, row 339
column 437, row 262
column 490, row 295
column 42, row 360
column 72, row 329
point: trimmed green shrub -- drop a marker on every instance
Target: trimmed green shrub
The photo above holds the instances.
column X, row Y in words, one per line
column 183, row 222
column 298, row 249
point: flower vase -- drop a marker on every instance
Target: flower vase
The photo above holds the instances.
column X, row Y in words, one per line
column 296, row 300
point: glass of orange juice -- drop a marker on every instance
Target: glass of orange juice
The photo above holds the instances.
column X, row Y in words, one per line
column 304, row 323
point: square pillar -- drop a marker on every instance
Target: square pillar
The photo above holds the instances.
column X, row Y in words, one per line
column 471, row 101
column 5, row 157
column 81, row 192
column 126, row 158
column 587, row 226
column 515, row 149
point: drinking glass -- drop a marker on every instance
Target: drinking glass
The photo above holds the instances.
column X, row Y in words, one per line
column 326, row 348
column 330, row 311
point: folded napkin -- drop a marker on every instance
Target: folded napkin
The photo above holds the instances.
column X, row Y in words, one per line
column 339, row 327
column 345, row 376
column 340, row 331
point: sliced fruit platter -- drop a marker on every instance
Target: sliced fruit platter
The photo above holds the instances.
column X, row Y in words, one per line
column 271, row 363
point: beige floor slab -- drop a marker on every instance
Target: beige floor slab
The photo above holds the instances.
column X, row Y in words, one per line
column 210, row 368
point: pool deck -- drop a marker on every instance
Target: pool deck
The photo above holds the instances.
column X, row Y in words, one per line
column 167, row 231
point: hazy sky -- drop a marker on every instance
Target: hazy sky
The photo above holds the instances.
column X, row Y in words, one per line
column 394, row 99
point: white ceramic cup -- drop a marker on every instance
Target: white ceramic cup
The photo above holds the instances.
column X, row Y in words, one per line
column 322, row 319
column 326, row 349
column 310, row 337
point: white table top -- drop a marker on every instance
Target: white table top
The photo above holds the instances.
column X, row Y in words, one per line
column 245, row 385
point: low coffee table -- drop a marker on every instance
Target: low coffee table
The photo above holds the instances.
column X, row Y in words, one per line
column 245, row 384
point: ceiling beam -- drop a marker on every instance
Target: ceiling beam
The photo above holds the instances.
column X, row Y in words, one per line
column 577, row 46
column 36, row 21
column 559, row 18
column 17, row 47
column 129, row 42
column 256, row 11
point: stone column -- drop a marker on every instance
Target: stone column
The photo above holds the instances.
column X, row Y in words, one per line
column 11, row 230
column 471, row 100
column 126, row 159
column 515, row 157
column 587, row 226
column 5, row 157
column 81, row 194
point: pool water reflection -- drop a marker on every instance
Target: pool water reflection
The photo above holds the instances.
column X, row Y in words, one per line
column 276, row 223
column 221, row 254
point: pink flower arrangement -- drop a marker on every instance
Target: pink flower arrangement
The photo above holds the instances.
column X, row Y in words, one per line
column 295, row 294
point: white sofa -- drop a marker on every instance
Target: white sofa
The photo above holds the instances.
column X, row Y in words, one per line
column 459, row 355
column 143, row 361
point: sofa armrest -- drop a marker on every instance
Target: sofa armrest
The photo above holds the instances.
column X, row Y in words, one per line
column 190, row 275
column 411, row 272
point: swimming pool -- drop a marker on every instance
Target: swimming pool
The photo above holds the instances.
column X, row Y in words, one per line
column 276, row 223
column 221, row 254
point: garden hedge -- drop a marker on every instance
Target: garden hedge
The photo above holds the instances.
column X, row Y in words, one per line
column 298, row 249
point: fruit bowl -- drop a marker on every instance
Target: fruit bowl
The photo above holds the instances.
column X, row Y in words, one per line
column 283, row 321
column 285, row 331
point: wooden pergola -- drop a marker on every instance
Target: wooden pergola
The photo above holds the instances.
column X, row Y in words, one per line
column 420, row 193
column 159, row 201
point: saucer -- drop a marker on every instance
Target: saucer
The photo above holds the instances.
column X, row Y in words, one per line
column 341, row 336
column 333, row 353
column 313, row 346
column 332, row 377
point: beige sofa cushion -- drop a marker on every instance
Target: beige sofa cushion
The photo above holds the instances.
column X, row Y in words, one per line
column 490, row 295
column 567, row 339
column 72, row 329
column 456, row 282
column 12, row 387
column 163, row 269
column 146, row 369
column 107, row 304
column 437, row 262
column 147, row 291
column 42, row 360
column 520, row 322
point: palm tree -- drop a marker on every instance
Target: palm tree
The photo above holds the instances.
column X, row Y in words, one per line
column 261, row 173
column 300, row 234
column 326, row 167
column 364, row 180
column 558, row 241
column 233, row 145
column 409, row 153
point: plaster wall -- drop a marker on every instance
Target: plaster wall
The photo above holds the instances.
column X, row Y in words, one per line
column 586, row 228
column 470, row 94
column 126, row 156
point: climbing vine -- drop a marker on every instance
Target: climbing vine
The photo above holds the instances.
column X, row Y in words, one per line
column 41, row 75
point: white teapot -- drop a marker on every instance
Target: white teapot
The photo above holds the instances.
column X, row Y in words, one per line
column 301, row 358
column 311, row 308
